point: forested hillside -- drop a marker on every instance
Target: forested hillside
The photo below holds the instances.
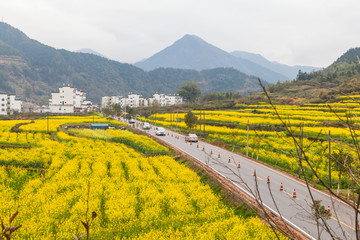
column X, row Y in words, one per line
column 340, row 78
column 32, row 70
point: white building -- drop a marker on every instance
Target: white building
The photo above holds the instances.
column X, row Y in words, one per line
column 69, row 100
column 133, row 100
column 15, row 104
column 107, row 101
column 165, row 100
column 9, row 104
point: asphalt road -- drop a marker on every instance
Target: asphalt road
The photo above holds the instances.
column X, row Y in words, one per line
column 295, row 211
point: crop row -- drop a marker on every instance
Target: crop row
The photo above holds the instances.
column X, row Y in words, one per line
column 134, row 197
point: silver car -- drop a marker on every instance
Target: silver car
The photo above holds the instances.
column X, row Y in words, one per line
column 146, row 126
column 160, row 131
column 191, row 137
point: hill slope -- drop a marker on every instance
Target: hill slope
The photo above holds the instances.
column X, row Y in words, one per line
column 340, row 78
column 90, row 51
column 289, row 71
column 32, row 70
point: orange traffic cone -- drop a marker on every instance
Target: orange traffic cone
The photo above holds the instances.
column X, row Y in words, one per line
column 238, row 165
column 229, row 160
column 268, row 179
column 219, row 155
column 197, row 146
column 254, row 174
column 211, row 151
column 294, row 194
column 171, row 135
column 328, row 209
column 281, row 187
column 168, row 134
column 203, row 148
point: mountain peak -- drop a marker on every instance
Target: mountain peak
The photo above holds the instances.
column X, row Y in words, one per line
column 192, row 52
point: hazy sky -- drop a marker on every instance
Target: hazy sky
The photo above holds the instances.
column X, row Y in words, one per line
column 293, row 32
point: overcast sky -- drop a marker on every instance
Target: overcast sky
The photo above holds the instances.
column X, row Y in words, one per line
column 293, row 32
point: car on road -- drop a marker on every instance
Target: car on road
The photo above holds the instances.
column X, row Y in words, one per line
column 146, row 126
column 159, row 131
column 191, row 137
column 132, row 121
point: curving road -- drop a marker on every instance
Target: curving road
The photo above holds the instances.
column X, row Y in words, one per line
column 296, row 211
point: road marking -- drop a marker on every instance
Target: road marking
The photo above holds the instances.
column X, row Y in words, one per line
column 290, row 194
column 343, row 223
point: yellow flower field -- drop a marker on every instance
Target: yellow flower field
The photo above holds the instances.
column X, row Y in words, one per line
column 134, row 197
column 268, row 140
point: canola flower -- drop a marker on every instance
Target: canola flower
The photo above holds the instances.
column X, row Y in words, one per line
column 271, row 144
column 135, row 197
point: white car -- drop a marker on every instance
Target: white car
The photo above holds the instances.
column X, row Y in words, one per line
column 146, row 126
column 191, row 137
column 159, row 131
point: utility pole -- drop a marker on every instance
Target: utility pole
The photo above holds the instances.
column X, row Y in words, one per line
column 329, row 160
column 200, row 122
column 300, row 150
column 47, row 120
column 176, row 121
column 204, row 120
column 247, row 140
column 93, row 116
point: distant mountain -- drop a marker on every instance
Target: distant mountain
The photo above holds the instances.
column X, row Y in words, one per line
column 33, row 70
column 191, row 52
column 89, row 51
column 289, row 71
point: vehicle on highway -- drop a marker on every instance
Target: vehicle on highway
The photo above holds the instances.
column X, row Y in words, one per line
column 132, row 121
column 191, row 137
column 146, row 126
column 159, row 131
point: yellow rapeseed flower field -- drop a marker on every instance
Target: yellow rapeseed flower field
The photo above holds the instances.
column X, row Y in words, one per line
column 268, row 140
column 134, row 196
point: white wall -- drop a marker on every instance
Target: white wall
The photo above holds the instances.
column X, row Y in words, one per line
column 4, row 103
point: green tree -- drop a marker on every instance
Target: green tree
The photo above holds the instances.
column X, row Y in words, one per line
column 189, row 91
column 190, row 120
